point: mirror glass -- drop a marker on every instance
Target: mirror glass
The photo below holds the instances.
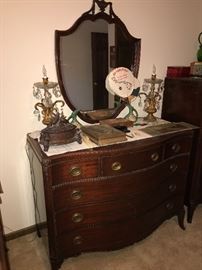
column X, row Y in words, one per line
column 86, row 53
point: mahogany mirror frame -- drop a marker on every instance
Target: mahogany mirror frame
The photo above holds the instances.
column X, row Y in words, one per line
column 91, row 15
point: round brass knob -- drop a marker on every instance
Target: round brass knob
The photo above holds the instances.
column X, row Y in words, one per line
column 77, row 217
column 155, row 156
column 172, row 187
column 169, row 205
column 76, row 194
column 77, row 240
column 176, row 147
column 75, row 171
column 173, row 167
column 116, row 166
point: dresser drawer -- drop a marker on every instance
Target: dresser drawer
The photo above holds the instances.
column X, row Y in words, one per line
column 146, row 201
column 178, row 145
column 130, row 161
column 120, row 186
column 115, row 235
column 121, row 209
column 89, row 215
column 74, row 170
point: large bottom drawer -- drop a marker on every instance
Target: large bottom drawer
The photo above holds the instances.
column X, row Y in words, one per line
column 116, row 235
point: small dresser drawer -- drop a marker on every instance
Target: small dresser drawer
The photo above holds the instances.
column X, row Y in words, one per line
column 178, row 145
column 120, row 186
column 74, row 170
column 130, row 161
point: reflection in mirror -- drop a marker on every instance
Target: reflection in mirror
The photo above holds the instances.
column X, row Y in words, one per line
column 87, row 52
column 84, row 65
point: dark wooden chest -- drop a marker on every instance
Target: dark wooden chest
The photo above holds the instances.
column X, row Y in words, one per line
column 183, row 102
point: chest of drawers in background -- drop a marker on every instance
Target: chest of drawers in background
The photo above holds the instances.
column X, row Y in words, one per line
column 183, row 102
column 109, row 197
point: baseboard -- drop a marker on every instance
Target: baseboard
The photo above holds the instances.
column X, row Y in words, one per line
column 24, row 231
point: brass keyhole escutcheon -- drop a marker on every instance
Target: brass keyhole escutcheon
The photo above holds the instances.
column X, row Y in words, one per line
column 116, row 166
column 77, row 217
column 75, row 171
column 155, row 156
column 76, row 194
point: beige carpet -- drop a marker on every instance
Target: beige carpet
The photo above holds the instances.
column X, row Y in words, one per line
column 167, row 248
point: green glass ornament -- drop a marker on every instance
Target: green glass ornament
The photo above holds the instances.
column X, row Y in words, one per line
column 199, row 52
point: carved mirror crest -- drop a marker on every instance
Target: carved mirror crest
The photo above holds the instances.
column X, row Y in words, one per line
column 85, row 53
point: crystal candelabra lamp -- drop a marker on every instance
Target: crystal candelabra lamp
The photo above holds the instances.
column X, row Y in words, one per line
column 46, row 108
column 152, row 89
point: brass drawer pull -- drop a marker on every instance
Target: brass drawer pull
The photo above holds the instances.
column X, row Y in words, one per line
column 116, row 166
column 155, row 156
column 173, row 167
column 170, row 206
column 77, row 217
column 75, row 171
column 77, row 240
column 172, row 187
column 76, row 194
column 176, row 147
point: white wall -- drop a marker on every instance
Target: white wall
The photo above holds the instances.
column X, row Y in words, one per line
column 168, row 29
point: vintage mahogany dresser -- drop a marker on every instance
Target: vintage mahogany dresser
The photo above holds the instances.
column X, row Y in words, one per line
column 108, row 197
column 183, row 102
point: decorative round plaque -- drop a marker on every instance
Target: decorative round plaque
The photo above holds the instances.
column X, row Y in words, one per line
column 121, row 82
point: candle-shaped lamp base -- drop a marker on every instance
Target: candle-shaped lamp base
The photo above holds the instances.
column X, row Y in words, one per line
column 152, row 99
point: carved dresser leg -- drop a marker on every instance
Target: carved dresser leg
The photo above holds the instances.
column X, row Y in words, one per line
column 181, row 216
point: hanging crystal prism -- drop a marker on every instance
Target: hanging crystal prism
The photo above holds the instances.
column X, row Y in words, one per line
column 56, row 91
